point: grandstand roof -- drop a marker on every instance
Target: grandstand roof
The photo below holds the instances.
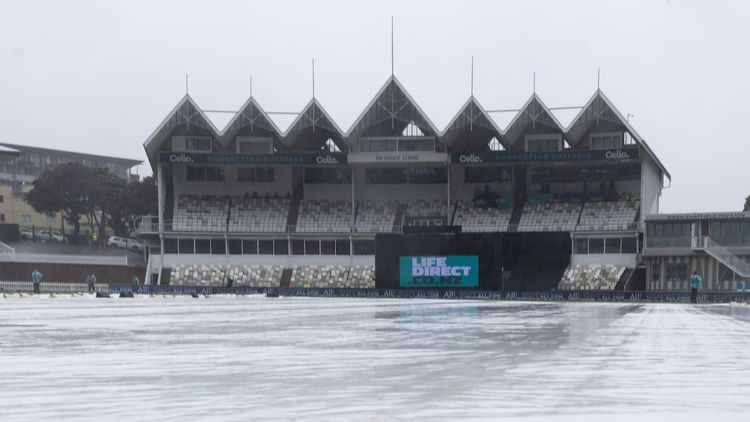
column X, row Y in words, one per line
column 533, row 113
column 186, row 112
column 600, row 108
column 316, row 124
column 472, row 124
column 389, row 112
column 251, row 115
column 7, row 153
column 14, row 150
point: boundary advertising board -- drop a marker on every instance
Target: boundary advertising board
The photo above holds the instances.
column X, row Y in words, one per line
column 439, row 271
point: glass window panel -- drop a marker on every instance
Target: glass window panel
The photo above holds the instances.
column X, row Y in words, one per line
column 280, row 247
column 342, row 247
column 596, row 246
column 235, row 246
column 202, row 246
column 582, row 246
column 265, row 247
column 298, row 247
column 186, row 246
column 612, row 245
column 312, row 247
column 250, row 247
column 218, row 247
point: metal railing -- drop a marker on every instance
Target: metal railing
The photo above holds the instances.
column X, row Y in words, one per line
column 6, row 249
column 726, row 257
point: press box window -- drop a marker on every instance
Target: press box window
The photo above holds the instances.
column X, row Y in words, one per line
column 606, row 141
column 205, row 174
column 543, row 144
column 198, row 144
column 256, row 174
column 254, row 146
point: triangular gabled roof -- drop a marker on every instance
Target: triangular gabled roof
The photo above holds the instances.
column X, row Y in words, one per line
column 472, row 118
column 533, row 113
column 599, row 107
column 314, row 117
column 250, row 114
column 393, row 104
column 186, row 112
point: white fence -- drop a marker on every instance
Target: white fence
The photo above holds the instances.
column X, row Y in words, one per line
column 64, row 259
column 50, row 287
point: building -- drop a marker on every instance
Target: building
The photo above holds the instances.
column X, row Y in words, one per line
column 30, row 162
column 717, row 245
column 302, row 207
column 20, row 165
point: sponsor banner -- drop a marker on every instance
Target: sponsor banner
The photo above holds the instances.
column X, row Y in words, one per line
column 627, row 154
column 439, row 271
column 315, row 159
column 443, row 293
column 699, row 216
column 398, row 157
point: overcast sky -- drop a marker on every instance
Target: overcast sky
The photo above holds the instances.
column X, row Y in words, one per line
column 99, row 76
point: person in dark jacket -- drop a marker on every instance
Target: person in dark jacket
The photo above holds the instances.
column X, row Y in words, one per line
column 90, row 280
column 695, row 284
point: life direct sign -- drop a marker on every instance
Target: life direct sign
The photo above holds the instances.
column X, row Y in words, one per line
column 439, row 271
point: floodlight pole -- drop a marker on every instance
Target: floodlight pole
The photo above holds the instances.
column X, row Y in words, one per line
column 471, row 109
column 313, row 95
column 392, row 73
column 393, row 116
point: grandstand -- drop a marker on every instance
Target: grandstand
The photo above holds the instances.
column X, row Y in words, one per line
column 302, row 207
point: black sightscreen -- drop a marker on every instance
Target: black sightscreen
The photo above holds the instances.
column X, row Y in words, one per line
column 531, row 261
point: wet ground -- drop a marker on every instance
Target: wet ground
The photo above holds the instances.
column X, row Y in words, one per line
column 257, row 358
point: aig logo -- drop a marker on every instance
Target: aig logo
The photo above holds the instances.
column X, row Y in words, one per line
column 471, row 158
column 616, row 155
column 326, row 159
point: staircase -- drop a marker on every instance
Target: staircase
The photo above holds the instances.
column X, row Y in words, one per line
column 398, row 221
column 515, row 218
column 291, row 220
column 624, row 279
column 286, row 277
column 453, row 214
column 726, row 257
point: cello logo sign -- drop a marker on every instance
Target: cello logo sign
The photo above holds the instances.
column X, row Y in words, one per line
column 617, row 155
column 328, row 160
column 180, row 158
column 439, row 271
column 471, row 158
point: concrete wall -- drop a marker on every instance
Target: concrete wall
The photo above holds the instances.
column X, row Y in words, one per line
column 71, row 273
column 627, row 260
column 286, row 261
column 651, row 185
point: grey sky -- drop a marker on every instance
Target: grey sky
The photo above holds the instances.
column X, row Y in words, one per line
column 98, row 77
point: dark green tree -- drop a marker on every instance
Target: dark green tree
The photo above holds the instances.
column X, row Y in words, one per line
column 139, row 198
column 747, row 204
column 67, row 189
